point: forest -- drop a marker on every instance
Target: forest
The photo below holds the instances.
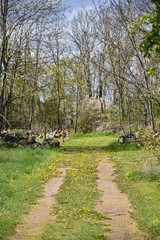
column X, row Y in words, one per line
column 97, row 68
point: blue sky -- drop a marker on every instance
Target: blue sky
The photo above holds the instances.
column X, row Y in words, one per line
column 76, row 4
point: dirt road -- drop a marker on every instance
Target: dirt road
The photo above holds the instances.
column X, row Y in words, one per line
column 113, row 204
column 116, row 205
column 33, row 224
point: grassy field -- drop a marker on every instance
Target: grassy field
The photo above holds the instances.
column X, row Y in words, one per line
column 23, row 172
column 137, row 175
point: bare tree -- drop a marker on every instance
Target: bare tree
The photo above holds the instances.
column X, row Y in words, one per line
column 83, row 38
column 15, row 15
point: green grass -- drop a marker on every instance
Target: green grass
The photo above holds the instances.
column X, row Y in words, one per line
column 75, row 202
column 92, row 141
column 76, row 230
column 23, row 172
column 138, row 175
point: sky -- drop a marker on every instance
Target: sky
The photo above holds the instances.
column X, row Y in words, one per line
column 77, row 5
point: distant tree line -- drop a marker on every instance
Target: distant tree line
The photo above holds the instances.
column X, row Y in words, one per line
column 101, row 66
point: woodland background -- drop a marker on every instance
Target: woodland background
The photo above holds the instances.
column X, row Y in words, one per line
column 97, row 70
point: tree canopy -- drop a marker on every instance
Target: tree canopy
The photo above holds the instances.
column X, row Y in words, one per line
column 99, row 68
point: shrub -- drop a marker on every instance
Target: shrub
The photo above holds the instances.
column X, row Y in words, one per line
column 151, row 143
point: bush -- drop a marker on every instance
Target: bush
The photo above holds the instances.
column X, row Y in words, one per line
column 151, row 143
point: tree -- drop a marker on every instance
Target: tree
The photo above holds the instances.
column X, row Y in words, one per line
column 151, row 41
column 83, row 40
column 16, row 17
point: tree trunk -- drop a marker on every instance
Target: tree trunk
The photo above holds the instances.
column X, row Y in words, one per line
column 120, row 121
column 76, row 117
column 151, row 116
column 4, row 58
column 23, row 86
column 89, row 85
column 145, row 118
column 31, row 114
column 2, row 106
column 129, row 116
column 38, row 39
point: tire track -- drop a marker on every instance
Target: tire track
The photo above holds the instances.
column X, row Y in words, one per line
column 33, row 223
column 116, row 205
